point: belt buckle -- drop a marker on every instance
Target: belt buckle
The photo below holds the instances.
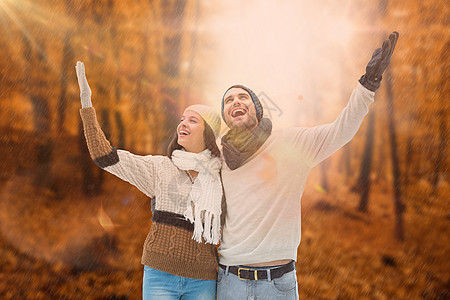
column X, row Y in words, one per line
column 246, row 269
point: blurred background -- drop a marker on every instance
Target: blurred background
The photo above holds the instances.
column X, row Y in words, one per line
column 375, row 216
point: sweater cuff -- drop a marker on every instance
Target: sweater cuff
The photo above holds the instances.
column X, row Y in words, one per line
column 99, row 147
column 107, row 160
column 368, row 94
column 88, row 115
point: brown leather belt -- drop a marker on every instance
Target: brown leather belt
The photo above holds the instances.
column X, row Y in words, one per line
column 249, row 273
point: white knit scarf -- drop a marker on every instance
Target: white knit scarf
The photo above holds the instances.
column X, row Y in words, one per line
column 205, row 199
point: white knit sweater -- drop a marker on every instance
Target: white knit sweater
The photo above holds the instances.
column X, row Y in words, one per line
column 263, row 195
column 155, row 176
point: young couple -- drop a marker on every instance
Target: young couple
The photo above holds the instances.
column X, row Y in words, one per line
column 263, row 173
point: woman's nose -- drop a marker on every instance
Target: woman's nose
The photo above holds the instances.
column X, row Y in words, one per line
column 185, row 124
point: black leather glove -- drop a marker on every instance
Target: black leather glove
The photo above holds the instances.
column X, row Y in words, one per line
column 380, row 61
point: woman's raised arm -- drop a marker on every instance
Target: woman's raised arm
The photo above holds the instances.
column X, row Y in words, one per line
column 135, row 169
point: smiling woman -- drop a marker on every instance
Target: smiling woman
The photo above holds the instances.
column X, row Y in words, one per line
column 190, row 132
column 187, row 211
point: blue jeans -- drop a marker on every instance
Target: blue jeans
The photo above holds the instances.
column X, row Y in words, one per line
column 230, row 287
column 160, row 285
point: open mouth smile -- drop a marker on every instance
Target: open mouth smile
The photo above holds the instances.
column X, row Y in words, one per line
column 183, row 132
column 237, row 112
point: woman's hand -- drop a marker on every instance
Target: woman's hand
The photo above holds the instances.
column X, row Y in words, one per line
column 85, row 91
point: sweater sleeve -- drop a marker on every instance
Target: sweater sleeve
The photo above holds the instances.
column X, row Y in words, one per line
column 318, row 143
column 135, row 169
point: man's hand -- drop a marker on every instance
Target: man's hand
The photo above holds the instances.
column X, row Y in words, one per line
column 379, row 62
column 85, row 91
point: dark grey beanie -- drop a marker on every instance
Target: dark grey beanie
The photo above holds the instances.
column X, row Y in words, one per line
column 258, row 106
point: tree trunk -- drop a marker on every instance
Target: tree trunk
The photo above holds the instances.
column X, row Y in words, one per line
column 363, row 183
column 409, row 155
column 41, row 116
column 344, row 164
column 121, row 129
column 399, row 207
column 41, row 120
column 410, row 164
column 67, row 60
column 443, row 142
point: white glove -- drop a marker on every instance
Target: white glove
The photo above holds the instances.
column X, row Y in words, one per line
column 85, row 91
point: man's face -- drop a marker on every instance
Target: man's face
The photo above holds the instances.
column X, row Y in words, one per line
column 239, row 110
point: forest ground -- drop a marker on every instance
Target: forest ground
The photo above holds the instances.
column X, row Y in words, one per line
column 52, row 245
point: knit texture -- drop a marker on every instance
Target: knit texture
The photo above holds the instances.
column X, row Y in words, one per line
column 237, row 147
column 172, row 249
column 204, row 201
column 96, row 141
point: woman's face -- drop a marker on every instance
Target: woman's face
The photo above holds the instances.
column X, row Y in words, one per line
column 190, row 132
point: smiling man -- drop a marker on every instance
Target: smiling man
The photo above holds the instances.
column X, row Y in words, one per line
column 240, row 117
column 264, row 176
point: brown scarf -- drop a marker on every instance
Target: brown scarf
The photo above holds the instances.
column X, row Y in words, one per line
column 239, row 146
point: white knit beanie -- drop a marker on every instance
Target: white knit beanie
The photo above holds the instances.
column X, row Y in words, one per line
column 209, row 115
